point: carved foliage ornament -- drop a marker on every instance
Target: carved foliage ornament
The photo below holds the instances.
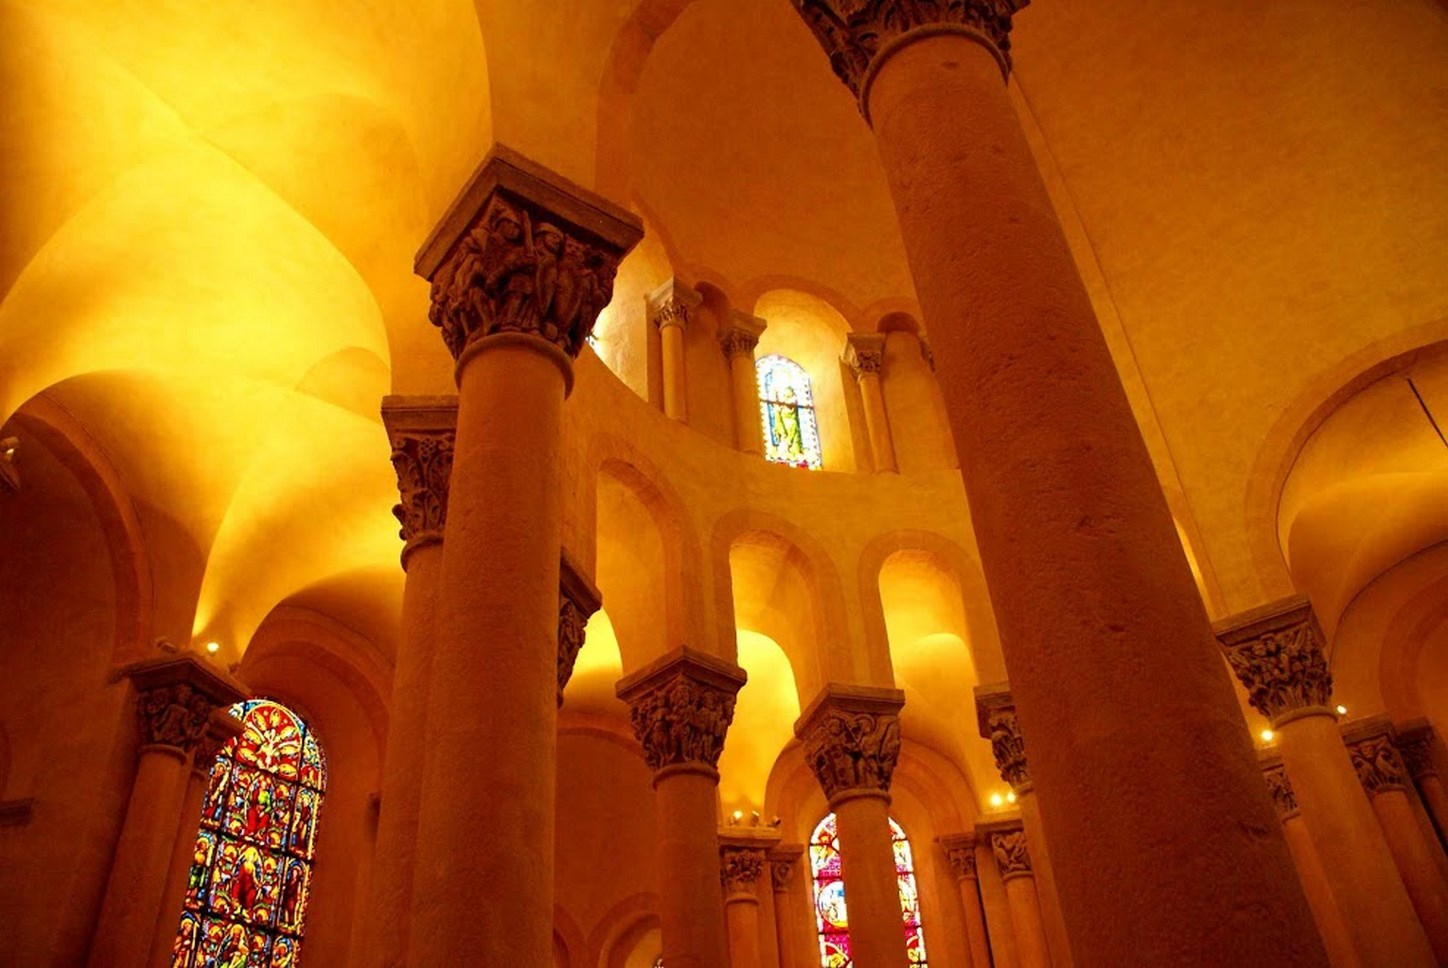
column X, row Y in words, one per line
column 173, row 715
column 852, row 32
column 1283, row 669
column 853, row 750
column 962, row 862
column 1283, row 797
column 1378, row 765
column 1417, row 753
column 682, row 720
column 737, row 342
column 780, row 872
column 517, row 272
column 1008, row 746
column 1011, row 856
column 424, row 466
column 739, row 868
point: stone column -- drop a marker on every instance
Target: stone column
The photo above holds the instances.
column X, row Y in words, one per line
column 421, row 432
column 681, row 707
column 221, row 728
column 175, row 697
column 1008, row 845
column 1385, row 780
column 670, row 306
column 1087, row 578
column 851, row 737
column 993, row 901
column 738, row 340
column 960, row 853
column 520, row 266
column 740, row 865
column 1315, row 883
column 996, row 718
column 1415, row 743
column 1277, row 653
column 783, row 862
column 865, row 356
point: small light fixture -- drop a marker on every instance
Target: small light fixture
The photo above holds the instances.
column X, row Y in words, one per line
column 1011, row 797
column 213, row 647
column 997, row 800
column 735, row 817
column 1341, row 710
column 1267, row 735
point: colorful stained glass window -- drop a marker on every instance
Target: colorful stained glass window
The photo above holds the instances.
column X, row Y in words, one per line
column 786, row 405
column 246, row 893
column 831, row 916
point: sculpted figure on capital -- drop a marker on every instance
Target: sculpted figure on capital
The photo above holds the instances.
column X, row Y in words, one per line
column 683, row 721
column 849, row 751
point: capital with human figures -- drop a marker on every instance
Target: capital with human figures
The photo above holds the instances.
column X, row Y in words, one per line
column 176, row 694
column 1284, row 798
column 523, row 251
column 1374, row 756
column 681, row 707
column 995, row 711
column 851, row 738
column 1011, row 855
column 220, row 729
column 739, row 868
column 859, row 35
column 577, row 601
column 1276, row 652
column 421, row 432
column 960, row 855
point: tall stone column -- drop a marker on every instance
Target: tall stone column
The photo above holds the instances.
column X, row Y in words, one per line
column 220, row 728
column 1013, row 860
column 997, row 720
column 1415, row 742
column 421, row 431
column 1315, row 882
column 1100, row 620
column 740, row 867
column 783, row 863
column 670, row 306
column 865, row 356
column 1385, row 780
column 520, row 266
column 851, row 737
column 175, row 697
column 993, row 901
column 681, row 707
column 738, row 341
column 960, row 853
column 1277, row 653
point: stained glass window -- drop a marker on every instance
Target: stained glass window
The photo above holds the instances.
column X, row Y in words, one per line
column 786, row 405
column 831, row 916
column 246, row 893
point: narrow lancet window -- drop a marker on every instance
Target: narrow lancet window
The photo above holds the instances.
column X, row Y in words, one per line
column 786, row 405
column 831, row 916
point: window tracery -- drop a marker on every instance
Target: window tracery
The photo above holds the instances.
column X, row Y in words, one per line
column 786, row 406
column 831, row 914
column 247, row 888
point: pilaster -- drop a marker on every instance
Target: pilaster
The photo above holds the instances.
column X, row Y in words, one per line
column 422, row 431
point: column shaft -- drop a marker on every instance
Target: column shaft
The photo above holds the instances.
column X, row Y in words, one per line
column 690, row 913
column 783, row 861
column 168, row 919
column 1419, row 869
column 995, row 906
column 676, row 401
column 1026, row 921
column 872, row 891
column 976, row 938
column 738, row 341
column 877, row 424
column 1086, row 573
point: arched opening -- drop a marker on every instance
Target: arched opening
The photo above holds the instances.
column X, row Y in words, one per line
column 786, row 407
column 828, row 891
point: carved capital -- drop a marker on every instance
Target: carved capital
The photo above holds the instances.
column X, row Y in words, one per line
column 851, row 737
column 421, row 432
column 740, row 867
column 1011, row 855
column 1276, row 652
column 741, row 335
column 577, row 601
column 1283, row 798
column 525, row 251
column 221, row 728
column 995, row 711
column 175, row 696
column 672, row 304
column 681, row 708
column 960, row 854
column 1415, row 744
column 782, row 862
column 1374, row 757
column 859, row 35
column 864, row 353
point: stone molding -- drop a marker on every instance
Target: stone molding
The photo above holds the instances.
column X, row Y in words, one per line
column 673, row 304
column 960, row 855
column 681, row 707
column 851, row 737
column 782, row 861
column 864, row 353
column 1374, row 755
column 860, row 35
column 1276, row 652
column 1284, row 798
column 578, row 599
column 175, row 696
column 740, row 867
column 1008, row 846
column 1415, row 745
column 741, row 335
column 995, row 713
column 421, row 430
column 523, row 250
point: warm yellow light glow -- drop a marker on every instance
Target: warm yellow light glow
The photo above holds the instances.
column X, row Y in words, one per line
column 997, row 800
column 1267, row 735
column 213, row 647
column 1342, row 710
column 738, row 815
column 1011, row 797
